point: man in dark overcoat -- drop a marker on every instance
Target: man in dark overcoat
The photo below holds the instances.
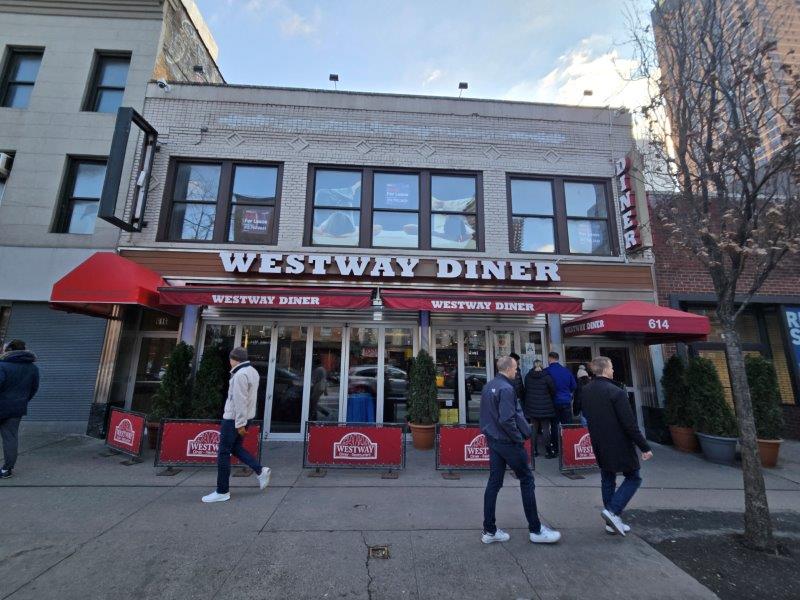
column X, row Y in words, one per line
column 615, row 437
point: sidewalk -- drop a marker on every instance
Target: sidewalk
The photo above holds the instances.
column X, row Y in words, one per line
column 78, row 525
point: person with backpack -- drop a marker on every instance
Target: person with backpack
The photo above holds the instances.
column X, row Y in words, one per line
column 539, row 409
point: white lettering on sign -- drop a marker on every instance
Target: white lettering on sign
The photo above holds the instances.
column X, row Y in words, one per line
column 658, row 323
column 355, row 446
column 584, row 449
column 123, row 433
column 204, row 445
column 627, row 204
column 261, row 299
column 477, row 450
column 581, row 327
column 270, row 263
column 793, row 320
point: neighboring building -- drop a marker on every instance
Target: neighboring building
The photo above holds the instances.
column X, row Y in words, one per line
column 770, row 326
column 335, row 234
column 65, row 68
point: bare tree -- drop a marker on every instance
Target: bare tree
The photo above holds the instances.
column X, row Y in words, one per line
column 723, row 122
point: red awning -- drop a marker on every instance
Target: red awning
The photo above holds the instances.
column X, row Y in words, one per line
column 103, row 281
column 267, row 297
column 651, row 323
column 480, row 302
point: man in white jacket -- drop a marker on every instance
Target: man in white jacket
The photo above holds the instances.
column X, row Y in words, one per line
column 240, row 407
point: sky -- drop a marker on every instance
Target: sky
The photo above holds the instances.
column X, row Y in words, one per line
column 531, row 50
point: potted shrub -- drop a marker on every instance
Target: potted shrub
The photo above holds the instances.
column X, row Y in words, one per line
column 210, row 384
column 174, row 395
column 423, row 406
column 679, row 413
column 713, row 418
column 767, row 411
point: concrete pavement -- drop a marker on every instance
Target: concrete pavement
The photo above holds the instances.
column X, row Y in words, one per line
column 78, row 525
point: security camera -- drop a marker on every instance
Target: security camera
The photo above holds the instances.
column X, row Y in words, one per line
column 163, row 85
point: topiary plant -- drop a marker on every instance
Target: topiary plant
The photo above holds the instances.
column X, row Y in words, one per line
column 174, row 395
column 211, row 384
column 765, row 397
column 679, row 412
column 711, row 413
column 423, row 406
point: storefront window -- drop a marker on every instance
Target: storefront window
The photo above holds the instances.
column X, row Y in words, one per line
column 453, row 212
column 256, row 339
column 475, row 374
column 150, row 369
column 587, row 218
column 779, row 354
column 287, row 397
column 337, row 208
column 446, row 347
column 362, row 377
column 223, row 336
column 326, row 366
column 399, row 350
column 395, row 206
column 253, row 204
column 533, row 220
column 530, row 351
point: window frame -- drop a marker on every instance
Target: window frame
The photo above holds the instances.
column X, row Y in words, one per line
column 559, row 216
column 93, row 88
column 223, row 204
column 5, row 79
column 367, row 209
column 66, row 199
column 511, row 214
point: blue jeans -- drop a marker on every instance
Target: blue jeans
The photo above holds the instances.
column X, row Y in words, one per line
column 513, row 455
column 9, row 430
column 616, row 498
column 230, row 442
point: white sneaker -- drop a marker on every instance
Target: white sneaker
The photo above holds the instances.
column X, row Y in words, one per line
column 497, row 536
column 614, row 522
column 545, row 536
column 611, row 530
column 215, row 497
column 263, row 477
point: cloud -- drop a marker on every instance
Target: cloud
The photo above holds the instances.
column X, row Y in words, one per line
column 591, row 65
column 291, row 22
column 431, row 75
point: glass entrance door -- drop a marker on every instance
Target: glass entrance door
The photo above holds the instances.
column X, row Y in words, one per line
column 154, row 352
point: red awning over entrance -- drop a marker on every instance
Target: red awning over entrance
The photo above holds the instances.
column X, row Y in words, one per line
column 103, row 281
column 480, row 302
column 641, row 320
column 267, row 297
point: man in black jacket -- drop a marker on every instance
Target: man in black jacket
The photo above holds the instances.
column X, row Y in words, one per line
column 19, row 382
column 615, row 436
column 505, row 428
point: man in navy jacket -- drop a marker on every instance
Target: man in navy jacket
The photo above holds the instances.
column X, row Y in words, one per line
column 506, row 429
column 19, row 382
column 565, row 388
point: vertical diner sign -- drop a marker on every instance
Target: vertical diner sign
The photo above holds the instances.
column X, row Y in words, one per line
column 631, row 233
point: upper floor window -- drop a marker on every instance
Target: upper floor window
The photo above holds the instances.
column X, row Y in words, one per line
column 384, row 208
column 558, row 216
column 21, row 70
column 81, row 198
column 224, row 202
column 108, row 82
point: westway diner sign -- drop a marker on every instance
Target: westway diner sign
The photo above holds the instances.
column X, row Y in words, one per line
column 388, row 267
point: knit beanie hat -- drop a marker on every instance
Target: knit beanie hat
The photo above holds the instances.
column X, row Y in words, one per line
column 238, row 354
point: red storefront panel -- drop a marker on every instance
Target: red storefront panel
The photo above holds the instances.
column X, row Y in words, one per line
column 480, row 302
column 194, row 443
column 261, row 297
column 576, row 449
column 464, row 447
column 126, row 431
column 354, row 446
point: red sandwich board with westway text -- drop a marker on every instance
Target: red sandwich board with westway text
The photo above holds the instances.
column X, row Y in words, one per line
column 354, row 445
column 464, row 447
column 194, row 443
column 576, row 449
column 126, row 431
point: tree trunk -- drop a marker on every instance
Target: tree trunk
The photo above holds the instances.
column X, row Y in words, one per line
column 757, row 520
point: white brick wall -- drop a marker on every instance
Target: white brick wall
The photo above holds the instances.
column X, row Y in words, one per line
column 495, row 138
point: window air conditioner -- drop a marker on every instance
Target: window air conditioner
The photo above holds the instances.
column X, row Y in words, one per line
column 5, row 165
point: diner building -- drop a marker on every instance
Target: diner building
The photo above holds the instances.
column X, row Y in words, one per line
column 335, row 234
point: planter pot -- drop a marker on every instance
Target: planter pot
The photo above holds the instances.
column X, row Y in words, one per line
column 422, row 436
column 684, row 438
column 718, row 449
column 768, row 450
column 152, row 434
